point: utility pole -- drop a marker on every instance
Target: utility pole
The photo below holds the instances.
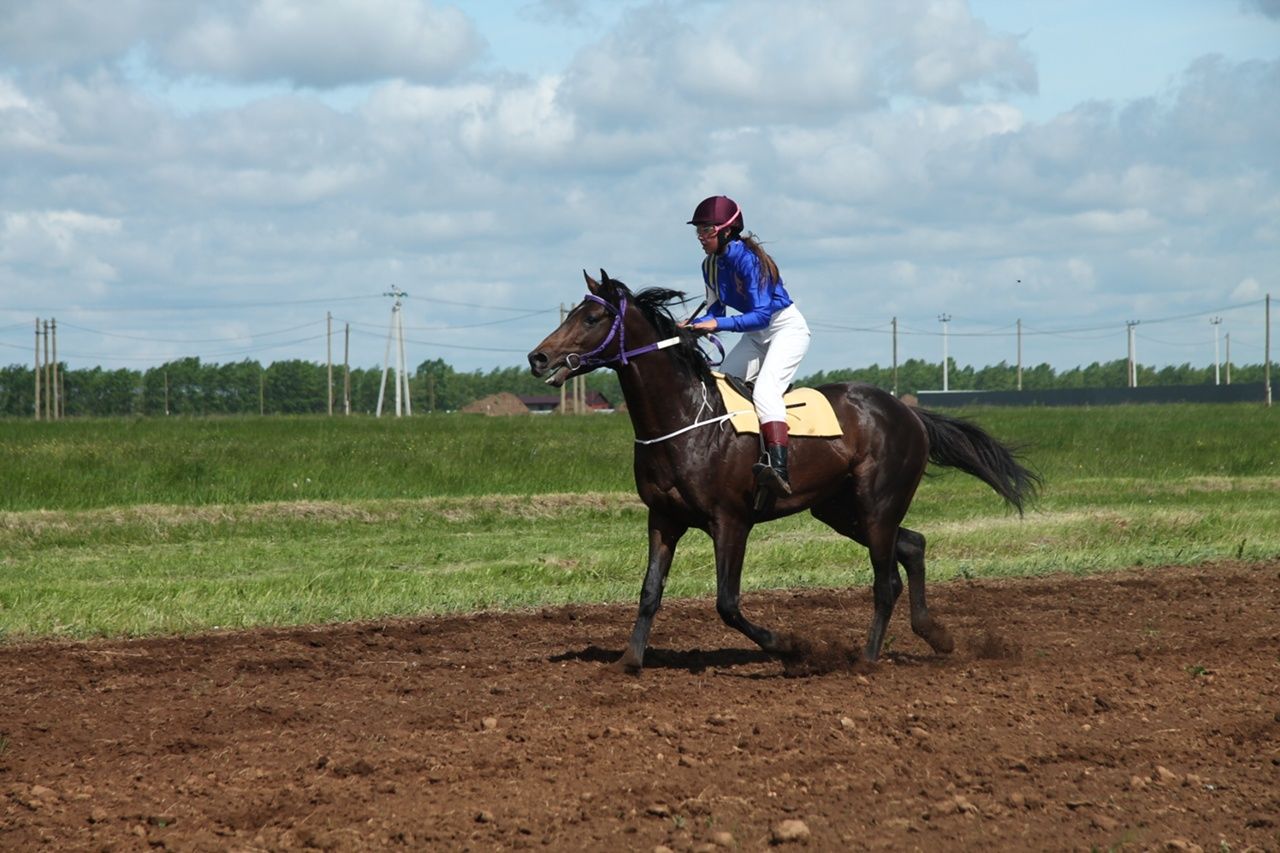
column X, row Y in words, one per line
column 1133, row 364
column 895, row 356
column 402, row 378
column 1019, row 282
column 562, row 409
column 1019, row 353
column 1217, row 373
column 57, row 384
column 48, row 376
column 1228, row 337
column 328, row 354
column 346, row 370
column 37, row 368
column 1266, row 359
column 945, row 320
column 404, row 367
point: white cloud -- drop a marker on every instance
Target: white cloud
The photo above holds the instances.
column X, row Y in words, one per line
column 1247, row 290
column 805, row 62
column 320, row 44
column 58, row 251
column 327, row 44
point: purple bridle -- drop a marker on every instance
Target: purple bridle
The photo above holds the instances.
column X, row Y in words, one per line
column 576, row 362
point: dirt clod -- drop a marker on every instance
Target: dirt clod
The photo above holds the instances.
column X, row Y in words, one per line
column 789, row 832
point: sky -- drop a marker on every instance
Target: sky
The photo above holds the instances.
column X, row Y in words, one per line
column 219, row 179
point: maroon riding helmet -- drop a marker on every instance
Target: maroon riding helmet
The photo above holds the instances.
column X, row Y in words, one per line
column 720, row 211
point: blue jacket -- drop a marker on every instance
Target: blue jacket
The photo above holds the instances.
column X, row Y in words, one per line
column 735, row 277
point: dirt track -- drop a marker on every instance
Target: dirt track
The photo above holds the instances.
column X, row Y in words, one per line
column 1138, row 710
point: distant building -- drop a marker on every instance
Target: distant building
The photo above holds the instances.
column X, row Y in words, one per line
column 542, row 404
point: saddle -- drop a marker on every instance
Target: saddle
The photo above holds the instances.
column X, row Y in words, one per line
column 809, row 412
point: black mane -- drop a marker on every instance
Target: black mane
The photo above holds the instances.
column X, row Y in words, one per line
column 655, row 304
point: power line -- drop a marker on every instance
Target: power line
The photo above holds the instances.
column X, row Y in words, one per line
column 217, row 306
column 247, row 335
column 461, row 326
column 152, row 358
column 483, row 307
column 448, row 346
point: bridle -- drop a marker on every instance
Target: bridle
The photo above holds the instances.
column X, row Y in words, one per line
column 574, row 361
column 590, row 360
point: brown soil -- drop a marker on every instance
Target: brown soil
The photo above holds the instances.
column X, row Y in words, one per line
column 1137, row 710
column 504, row 403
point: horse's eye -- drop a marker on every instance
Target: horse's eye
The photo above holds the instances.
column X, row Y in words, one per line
column 591, row 319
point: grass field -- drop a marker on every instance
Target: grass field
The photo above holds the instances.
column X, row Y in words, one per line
column 129, row 527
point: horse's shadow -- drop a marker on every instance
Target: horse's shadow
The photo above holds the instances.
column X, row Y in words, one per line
column 691, row 660
column 821, row 661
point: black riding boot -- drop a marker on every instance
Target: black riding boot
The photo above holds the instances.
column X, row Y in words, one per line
column 774, row 476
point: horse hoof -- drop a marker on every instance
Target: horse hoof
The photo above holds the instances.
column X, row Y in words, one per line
column 939, row 639
column 624, row 666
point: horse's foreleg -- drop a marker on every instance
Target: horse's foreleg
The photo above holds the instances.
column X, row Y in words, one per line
column 731, row 545
column 663, row 536
column 911, row 554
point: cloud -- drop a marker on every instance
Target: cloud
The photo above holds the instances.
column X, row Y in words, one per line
column 75, row 35
column 320, row 45
column 803, row 62
column 67, row 245
column 323, row 45
column 1270, row 8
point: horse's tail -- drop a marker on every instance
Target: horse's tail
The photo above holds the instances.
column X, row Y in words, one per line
column 958, row 443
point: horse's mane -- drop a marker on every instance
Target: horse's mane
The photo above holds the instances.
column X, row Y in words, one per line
column 655, row 304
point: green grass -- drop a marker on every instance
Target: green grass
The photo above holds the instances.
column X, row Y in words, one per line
column 235, row 460
column 142, row 527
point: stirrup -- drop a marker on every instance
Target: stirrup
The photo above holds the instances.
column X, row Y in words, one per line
column 768, row 478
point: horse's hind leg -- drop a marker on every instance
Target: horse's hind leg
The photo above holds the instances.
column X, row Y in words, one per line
column 843, row 515
column 910, row 552
column 886, row 584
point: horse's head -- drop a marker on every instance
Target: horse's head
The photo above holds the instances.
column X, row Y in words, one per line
column 592, row 335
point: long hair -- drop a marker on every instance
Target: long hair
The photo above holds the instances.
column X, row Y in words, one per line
column 768, row 267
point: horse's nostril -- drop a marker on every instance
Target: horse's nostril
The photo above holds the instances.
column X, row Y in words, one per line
column 537, row 361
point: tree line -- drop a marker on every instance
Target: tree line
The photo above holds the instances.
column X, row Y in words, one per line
column 191, row 387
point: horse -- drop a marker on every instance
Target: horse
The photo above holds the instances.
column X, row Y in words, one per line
column 692, row 472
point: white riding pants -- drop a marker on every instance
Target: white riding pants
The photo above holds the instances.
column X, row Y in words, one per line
column 770, row 357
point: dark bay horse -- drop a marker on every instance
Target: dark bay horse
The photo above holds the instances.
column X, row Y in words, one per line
column 692, row 470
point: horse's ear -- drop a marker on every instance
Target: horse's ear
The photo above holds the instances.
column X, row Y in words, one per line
column 592, row 284
column 604, row 276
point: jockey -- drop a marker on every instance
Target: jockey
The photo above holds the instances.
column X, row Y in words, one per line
column 739, row 274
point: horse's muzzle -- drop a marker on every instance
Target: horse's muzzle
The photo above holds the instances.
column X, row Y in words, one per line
column 540, row 365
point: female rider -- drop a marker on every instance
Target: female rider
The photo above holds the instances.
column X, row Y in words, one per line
column 739, row 274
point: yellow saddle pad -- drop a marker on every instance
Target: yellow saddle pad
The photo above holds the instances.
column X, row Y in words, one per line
column 808, row 411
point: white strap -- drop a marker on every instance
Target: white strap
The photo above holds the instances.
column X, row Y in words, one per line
column 693, row 425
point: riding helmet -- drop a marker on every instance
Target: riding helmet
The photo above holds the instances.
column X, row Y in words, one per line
column 718, row 210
